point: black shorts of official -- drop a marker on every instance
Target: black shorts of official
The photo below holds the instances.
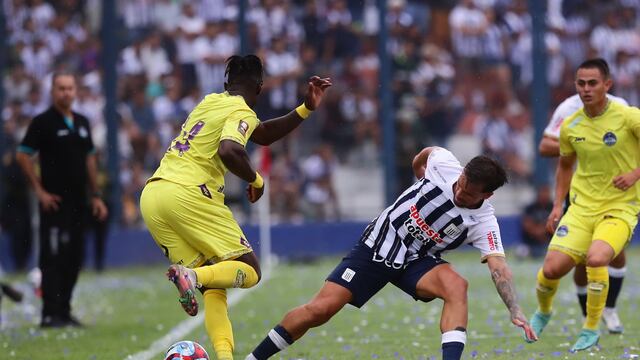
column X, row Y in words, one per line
column 365, row 275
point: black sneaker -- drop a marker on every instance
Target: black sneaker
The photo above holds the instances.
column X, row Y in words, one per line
column 73, row 321
column 53, row 322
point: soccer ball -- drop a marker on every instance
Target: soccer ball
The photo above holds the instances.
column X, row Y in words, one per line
column 186, row 350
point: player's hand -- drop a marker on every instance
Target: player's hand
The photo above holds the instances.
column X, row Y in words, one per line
column 625, row 181
column 99, row 209
column 315, row 91
column 254, row 193
column 554, row 219
column 519, row 320
column 49, row 201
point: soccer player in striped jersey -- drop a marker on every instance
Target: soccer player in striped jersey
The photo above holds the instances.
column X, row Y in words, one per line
column 603, row 139
column 550, row 147
column 446, row 208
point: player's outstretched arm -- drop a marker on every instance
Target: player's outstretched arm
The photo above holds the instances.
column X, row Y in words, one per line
column 503, row 279
column 419, row 163
column 273, row 130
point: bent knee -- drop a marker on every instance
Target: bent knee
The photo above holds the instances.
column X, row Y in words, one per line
column 597, row 260
column 258, row 271
column 456, row 288
column 247, row 278
column 319, row 313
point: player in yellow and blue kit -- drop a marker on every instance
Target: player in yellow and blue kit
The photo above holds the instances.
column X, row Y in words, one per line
column 604, row 138
column 183, row 202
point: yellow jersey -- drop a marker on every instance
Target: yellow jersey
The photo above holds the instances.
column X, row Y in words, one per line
column 192, row 158
column 606, row 146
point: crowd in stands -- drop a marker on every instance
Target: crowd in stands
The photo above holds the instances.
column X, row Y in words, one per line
column 459, row 67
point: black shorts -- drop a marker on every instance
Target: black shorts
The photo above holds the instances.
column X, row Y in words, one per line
column 365, row 275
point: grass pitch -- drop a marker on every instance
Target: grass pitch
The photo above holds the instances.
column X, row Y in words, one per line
column 126, row 310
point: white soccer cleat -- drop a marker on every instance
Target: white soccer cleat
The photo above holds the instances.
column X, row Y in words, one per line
column 612, row 320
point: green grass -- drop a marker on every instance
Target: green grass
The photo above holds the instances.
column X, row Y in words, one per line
column 128, row 309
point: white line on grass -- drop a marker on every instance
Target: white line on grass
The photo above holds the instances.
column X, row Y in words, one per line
column 185, row 327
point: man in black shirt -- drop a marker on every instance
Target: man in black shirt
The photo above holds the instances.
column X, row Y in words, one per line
column 67, row 165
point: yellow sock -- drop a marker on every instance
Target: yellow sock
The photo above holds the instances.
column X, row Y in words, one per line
column 597, row 290
column 545, row 291
column 227, row 274
column 217, row 323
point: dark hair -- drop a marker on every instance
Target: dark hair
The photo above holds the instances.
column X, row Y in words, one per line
column 243, row 69
column 58, row 74
column 597, row 63
column 485, row 171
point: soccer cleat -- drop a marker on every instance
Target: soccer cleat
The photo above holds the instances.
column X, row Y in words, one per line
column 586, row 339
column 185, row 281
column 538, row 322
column 612, row 321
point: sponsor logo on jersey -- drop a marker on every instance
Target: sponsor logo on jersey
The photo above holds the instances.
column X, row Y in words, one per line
column 63, row 132
column 610, row 138
column 83, row 132
column 492, row 239
column 243, row 127
column 205, row 191
column 562, row 231
column 579, row 139
column 419, row 229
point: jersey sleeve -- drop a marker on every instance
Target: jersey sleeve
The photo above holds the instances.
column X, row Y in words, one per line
column 633, row 121
column 486, row 237
column 565, row 145
column 239, row 126
column 553, row 128
column 32, row 140
column 442, row 165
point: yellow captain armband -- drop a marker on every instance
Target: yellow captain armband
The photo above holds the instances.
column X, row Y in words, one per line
column 303, row 111
column 258, row 182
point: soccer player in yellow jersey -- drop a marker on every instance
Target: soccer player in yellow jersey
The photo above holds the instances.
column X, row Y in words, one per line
column 183, row 202
column 604, row 138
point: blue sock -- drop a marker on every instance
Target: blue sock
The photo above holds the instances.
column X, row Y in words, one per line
column 277, row 339
column 453, row 344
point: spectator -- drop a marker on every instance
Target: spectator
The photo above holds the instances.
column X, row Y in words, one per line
column 319, row 193
column 535, row 238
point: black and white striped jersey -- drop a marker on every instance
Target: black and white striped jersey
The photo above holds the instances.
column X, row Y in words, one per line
column 424, row 221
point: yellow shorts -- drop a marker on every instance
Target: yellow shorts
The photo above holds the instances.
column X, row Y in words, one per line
column 576, row 232
column 191, row 224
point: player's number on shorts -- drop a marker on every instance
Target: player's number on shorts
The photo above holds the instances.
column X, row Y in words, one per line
column 183, row 145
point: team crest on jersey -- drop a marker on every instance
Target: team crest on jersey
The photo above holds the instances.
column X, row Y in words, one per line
column 243, row 127
column 610, row 138
column 562, row 231
column 452, row 231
